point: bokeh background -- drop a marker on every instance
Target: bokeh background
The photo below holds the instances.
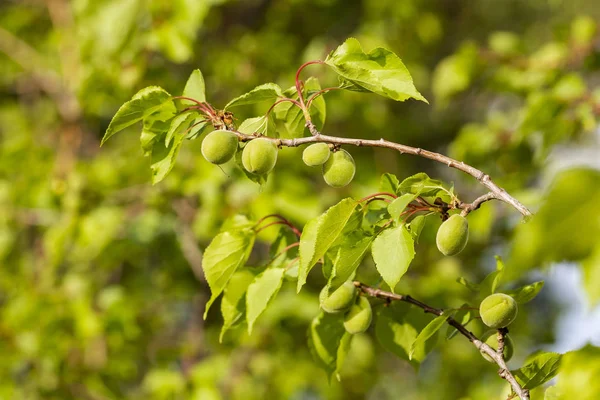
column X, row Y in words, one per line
column 101, row 287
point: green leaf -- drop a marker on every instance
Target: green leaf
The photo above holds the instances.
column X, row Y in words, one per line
column 397, row 327
column 578, row 374
column 195, row 87
column 422, row 185
column 393, row 250
column 233, row 305
column 144, row 103
column 285, row 237
column 491, row 282
column 223, row 256
column 163, row 159
column 152, row 136
column 474, row 287
column 348, row 258
column 543, row 367
column 463, row 315
column 261, row 292
column 197, row 128
column 318, row 110
column 292, row 116
column 418, row 348
column 396, row 207
column 526, row 293
column 320, row 233
column 264, row 125
column 264, row 92
column 325, row 336
column 415, row 226
column 389, row 183
column 179, row 123
column 379, row 71
column 342, row 352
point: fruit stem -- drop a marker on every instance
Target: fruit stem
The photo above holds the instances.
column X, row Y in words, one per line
column 379, row 194
column 299, row 88
column 281, row 101
column 286, row 223
column 320, row 92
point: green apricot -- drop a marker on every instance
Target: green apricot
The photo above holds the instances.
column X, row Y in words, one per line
column 339, row 169
column 340, row 300
column 358, row 319
column 452, row 236
column 259, row 156
column 491, row 339
column 498, row 310
column 316, row 154
column 220, row 146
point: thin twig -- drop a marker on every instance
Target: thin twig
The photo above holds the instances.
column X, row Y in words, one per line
column 498, row 358
column 468, row 207
column 498, row 192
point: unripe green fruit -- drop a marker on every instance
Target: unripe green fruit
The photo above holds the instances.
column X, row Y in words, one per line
column 452, row 236
column 316, row 154
column 340, row 300
column 259, row 156
column 339, row 169
column 491, row 339
column 498, row 310
column 220, row 146
column 358, row 319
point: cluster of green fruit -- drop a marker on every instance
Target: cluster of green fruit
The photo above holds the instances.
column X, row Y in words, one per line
column 357, row 309
column 258, row 157
column 498, row 311
column 452, row 235
column 338, row 167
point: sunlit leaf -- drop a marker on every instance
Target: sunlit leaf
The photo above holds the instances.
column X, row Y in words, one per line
column 393, row 250
column 418, row 348
column 260, row 292
column 320, row 233
column 264, row 92
column 543, row 367
column 233, row 305
column 224, row 255
column 379, row 71
column 144, row 103
column 324, row 339
column 526, row 293
column 195, row 88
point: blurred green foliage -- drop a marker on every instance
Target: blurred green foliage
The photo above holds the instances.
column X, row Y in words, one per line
column 101, row 287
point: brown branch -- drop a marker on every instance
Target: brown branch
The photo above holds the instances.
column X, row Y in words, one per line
column 468, row 207
column 483, row 178
column 498, row 358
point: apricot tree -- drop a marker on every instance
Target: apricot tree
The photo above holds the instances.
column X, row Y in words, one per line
column 341, row 237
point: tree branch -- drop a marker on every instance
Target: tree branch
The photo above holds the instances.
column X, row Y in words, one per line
column 484, row 179
column 498, row 358
column 468, row 207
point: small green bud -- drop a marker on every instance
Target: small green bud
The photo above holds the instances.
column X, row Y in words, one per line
column 339, row 169
column 316, row 154
column 259, row 156
column 220, row 146
column 340, row 300
column 452, row 236
column 358, row 319
column 498, row 310
column 491, row 339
